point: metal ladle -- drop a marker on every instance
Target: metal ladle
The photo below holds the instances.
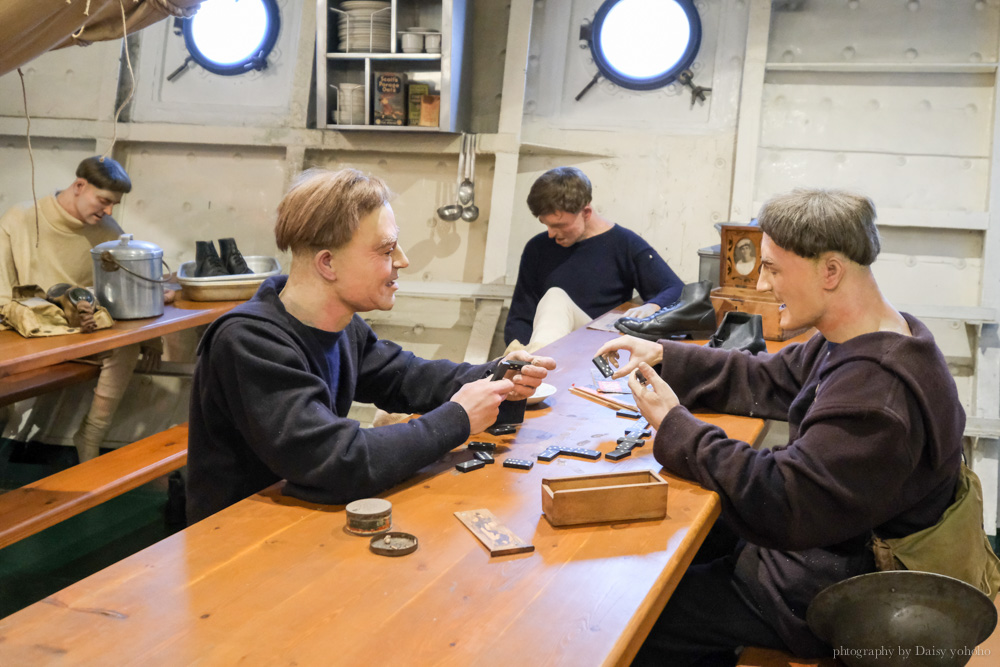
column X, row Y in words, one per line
column 471, row 212
column 452, row 212
column 466, row 189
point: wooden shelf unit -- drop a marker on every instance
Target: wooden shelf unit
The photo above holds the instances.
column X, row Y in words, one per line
column 442, row 71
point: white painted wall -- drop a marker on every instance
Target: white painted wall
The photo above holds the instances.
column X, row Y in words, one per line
column 659, row 165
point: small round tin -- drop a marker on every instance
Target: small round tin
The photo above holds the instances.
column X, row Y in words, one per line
column 369, row 516
column 394, row 544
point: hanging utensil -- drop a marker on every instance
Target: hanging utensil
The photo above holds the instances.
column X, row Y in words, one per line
column 471, row 212
column 452, row 212
column 465, row 189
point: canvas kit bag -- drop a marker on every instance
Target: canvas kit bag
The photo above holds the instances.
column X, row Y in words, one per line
column 956, row 546
column 33, row 316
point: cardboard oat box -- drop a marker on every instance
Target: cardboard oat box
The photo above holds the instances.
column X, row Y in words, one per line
column 430, row 110
column 390, row 104
column 416, row 91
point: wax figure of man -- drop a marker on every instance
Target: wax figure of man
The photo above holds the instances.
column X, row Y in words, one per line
column 276, row 376
column 581, row 267
column 69, row 224
column 875, row 436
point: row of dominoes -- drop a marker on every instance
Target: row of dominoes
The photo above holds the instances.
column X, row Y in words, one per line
column 634, row 437
column 483, row 453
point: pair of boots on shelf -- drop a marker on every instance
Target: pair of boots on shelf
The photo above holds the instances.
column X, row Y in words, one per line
column 694, row 315
column 208, row 263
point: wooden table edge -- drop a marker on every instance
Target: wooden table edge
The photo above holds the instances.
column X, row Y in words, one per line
column 636, row 631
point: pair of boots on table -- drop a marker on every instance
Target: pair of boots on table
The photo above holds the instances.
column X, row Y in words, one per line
column 694, row 315
column 209, row 264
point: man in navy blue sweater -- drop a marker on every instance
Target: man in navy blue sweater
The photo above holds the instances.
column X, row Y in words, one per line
column 581, row 267
column 277, row 375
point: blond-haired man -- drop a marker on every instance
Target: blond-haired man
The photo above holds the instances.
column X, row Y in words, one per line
column 277, row 375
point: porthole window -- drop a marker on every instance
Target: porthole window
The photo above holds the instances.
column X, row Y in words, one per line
column 643, row 44
column 231, row 37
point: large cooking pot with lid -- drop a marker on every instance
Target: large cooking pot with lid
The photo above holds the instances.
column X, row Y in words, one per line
column 128, row 278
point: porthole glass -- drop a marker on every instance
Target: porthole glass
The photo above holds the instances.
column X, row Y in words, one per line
column 644, row 44
column 232, row 36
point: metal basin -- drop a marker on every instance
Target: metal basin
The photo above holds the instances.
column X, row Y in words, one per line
column 902, row 619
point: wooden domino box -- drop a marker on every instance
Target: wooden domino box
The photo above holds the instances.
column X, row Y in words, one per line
column 618, row 496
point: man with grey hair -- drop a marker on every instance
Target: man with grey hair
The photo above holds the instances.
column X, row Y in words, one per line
column 874, row 449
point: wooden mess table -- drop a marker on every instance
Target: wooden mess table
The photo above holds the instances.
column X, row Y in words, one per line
column 273, row 580
column 31, row 366
column 21, row 355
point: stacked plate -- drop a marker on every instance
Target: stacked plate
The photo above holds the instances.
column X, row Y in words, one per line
column 365, row 26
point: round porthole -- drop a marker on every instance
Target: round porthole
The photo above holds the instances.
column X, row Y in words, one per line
column 644, row 44
column 231, row 37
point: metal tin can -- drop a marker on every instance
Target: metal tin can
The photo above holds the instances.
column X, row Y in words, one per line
column 369, row 516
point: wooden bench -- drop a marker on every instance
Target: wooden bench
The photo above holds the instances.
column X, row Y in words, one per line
column 24, row 385
column 34, row 507
column 755, row 656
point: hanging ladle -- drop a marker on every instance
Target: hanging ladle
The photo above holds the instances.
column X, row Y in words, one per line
column 471, row 212
column 466, row 188
column 452, row 212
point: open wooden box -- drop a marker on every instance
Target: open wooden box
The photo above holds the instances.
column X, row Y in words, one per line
column 739, row 270
column 617, row 496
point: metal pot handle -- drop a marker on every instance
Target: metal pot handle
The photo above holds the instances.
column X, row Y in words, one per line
column 110, row 264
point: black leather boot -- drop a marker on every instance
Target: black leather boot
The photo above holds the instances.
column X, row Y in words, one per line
column 740, row 331
column 691, row 315
column 232, row 258
column 207, row 263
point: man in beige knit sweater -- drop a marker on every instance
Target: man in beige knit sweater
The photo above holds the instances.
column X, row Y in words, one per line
column 55, row 248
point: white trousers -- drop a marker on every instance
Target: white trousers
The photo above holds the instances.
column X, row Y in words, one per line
column 116, row 373
column 555, row 316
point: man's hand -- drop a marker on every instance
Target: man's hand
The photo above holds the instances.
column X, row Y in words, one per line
column 655, row 398
column 149, row 359
column 643, row 311
column 481, row 400
column 640, row 350
column 169, row 295
column 526, row 380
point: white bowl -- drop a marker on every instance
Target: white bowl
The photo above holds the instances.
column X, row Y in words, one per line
column 543, row 391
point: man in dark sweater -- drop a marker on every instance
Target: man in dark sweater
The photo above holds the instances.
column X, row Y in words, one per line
column 277, row 375
column 875, row 437
column 581, row 267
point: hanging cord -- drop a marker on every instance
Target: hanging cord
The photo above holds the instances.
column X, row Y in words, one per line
column 86, row 12
column 31, row 156
column 131, row 73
